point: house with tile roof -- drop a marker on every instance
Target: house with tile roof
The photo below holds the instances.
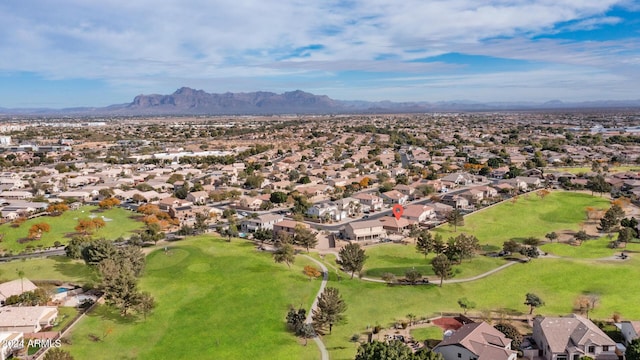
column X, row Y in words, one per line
column 476, row 341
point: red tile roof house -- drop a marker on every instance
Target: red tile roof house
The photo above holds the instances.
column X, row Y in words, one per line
column 476, row 341
column 394, row 197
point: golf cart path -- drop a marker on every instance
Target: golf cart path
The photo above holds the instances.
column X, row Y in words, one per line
column 325, row 277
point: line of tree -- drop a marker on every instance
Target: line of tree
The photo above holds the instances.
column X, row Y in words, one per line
column 394, row 350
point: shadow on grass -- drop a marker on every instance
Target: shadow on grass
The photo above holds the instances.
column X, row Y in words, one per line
column 73, row 269
column 106, row 312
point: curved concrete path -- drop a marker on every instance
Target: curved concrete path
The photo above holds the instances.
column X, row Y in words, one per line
column 325, row 277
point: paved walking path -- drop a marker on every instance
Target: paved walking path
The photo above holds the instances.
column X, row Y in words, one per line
column 325, row 277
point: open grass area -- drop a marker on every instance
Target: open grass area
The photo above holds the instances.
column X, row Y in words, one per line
column 591, row 249
column 397, row 259
column 529, row 216
column 51, row 268
column 557, row 281
column 118, row 223
column 427, row 333
column 215, row 300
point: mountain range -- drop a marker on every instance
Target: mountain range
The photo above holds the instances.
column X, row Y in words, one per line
column 187, row 101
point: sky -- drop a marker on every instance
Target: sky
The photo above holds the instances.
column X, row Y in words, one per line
column 69, row 53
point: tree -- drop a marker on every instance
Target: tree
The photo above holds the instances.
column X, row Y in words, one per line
column 389, row 278
column 461, row 247
column 329, row 309
column 108, row 203
column 57, row 209
column 455, row 219
column 76, row 245
column 145, row 304
column 36, row 230
column 531, row 241
column 393, row 350
column 466, row 304
column 533, row 301
column 305, row 237
column 598, row 184
column 633, row 350
column 201, row 224
column 510, row 332
column 442, row 267
column 307, row 332
column 351, row 258
column 611, row 218
column 626, row 234
column 511, row 246
column 424, row 243
column 587, row 302
column 278, row 197
column 551, row 236
column 285, row 254
column 57, row 354
column 412, row 276
column 311, row 272
column 97, row 251
column 119, row 285
column 296, row 319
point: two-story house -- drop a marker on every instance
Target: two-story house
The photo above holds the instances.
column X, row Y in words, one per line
column 476, row 341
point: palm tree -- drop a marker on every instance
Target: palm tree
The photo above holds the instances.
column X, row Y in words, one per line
column 21, row 276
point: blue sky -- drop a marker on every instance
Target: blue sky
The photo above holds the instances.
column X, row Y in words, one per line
column 69, row 53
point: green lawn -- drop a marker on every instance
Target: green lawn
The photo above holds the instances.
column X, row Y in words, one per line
column 557, row 281
column 52, row 268
column 118, row 223
column 216, row 300
column 397, row 259
column 591, row 249
column 427, row 333
column 529, row 216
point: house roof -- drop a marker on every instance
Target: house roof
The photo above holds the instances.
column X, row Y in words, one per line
column 15, row 287
column 18, row 316
column 290, row 224
column 574, row 330
column 416, row 210
column 394, row 194
column 481, row 339
column 365, row 224
column 391, row 221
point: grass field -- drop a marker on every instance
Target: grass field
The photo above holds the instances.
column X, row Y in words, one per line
column 52, row 268
column 529, row 216
column 397, row 259
column 557, row 281
column 427, row 333
column 216, row 300
column 591, row 249
column 118, row 223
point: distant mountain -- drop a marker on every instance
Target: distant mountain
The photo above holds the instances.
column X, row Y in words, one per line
column 187, row 101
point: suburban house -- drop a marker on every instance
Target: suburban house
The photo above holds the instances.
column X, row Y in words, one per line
column 171, row 202
column 461, row 179
column 249, row 203
column 198, row 197
column 364, row 230
column 418, row 213
column 398, row 226
column 476, row 341
column 532, row 182
column 326, row 210
column 185, row 214
column 630, row 330
column 15, row 287
column 406, row 189
column 570, row 338
column 348, row 205
column 262, row 222
column 369, row 202
column 455, row 201
column 394, row 197
column 474, row 196
column 288, row 226
column 27, row 319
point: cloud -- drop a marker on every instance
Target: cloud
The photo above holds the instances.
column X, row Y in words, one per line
column 148, row 42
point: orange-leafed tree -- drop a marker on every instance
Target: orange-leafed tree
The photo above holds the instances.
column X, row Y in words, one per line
column 18, row 221
column 108, row 203
column 149, row 209
column 57, row 209
column 36, row 230
column 311, row 272
column 364, row 182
